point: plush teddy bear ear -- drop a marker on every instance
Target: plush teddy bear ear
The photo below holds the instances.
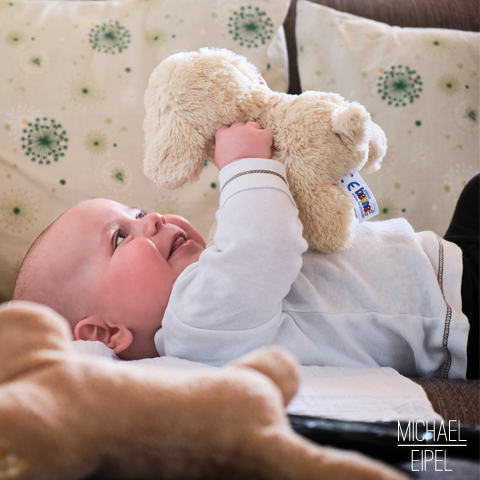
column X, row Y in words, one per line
column 350, row 124
column 355, row 128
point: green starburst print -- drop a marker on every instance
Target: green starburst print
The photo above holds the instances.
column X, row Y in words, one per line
column 44, row 141
column 95, row 142
column 436, row 45
column 118, row 175
column 14, row 38
column 466, row 117
column 387, row 209
column 156, row 37
column 399, row 86
column 17, row 211
column 471, row 115
column 448, row 84
column 110, row 37
column 115, row 176
column 250, row 27
column 85, row 91
column 33, row 62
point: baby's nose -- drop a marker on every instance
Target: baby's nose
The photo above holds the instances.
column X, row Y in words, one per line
column 152, row 223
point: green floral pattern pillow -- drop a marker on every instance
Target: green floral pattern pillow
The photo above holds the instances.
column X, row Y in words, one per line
column 420, row 85
column 71, row 103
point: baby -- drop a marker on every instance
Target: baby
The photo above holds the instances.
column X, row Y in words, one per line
column 146, row 285
column 119, row 264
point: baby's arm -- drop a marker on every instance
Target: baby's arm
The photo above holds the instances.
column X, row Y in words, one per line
column 230, row 301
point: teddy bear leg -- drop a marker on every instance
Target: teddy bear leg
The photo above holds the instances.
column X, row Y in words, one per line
column 327, row 215
column 292, row 456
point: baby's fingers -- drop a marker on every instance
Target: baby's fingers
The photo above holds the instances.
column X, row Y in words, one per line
column 220, row 130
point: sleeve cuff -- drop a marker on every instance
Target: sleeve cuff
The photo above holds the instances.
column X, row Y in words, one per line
column 252, row 173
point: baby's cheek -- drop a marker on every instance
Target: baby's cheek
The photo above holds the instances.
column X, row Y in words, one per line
column 139, row 278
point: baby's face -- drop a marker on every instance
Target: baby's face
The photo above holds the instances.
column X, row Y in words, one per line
column 125, row 264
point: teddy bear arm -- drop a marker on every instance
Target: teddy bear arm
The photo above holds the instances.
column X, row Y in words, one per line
column 198, row 423
column 82, row 414
column 68, row 415
column 179, row 426
column 377, row 149
column 328, row 221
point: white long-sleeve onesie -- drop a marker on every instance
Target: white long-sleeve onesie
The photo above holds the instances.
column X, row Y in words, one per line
column 391, row 299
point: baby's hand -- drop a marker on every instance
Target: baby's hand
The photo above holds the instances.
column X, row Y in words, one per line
column 242, row 140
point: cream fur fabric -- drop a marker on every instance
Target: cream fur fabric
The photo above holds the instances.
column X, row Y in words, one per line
column 319, row 137
column 65, row 416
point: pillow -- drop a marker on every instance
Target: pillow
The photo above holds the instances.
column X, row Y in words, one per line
column 420, row 85
column 71, row 103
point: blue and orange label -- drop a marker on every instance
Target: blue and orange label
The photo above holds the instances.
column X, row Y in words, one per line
column 363, row 200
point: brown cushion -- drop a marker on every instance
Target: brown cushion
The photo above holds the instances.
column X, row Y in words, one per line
column 454, row 399
column 452, row 14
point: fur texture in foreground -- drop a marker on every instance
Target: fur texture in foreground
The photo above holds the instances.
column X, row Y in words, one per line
column 65, row 416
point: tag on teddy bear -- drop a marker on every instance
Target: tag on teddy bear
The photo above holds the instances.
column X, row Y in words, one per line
column 362, row 197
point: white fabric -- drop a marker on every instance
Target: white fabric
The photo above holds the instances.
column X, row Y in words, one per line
column 421, row 85
column 356, row 394
column 361, row 394
column 93, row 348
column 376, row 304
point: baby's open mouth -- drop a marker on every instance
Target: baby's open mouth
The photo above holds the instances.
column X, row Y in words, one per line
column 178, row 242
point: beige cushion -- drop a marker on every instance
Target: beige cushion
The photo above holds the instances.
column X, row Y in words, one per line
column 420, row 85
column 71, row 103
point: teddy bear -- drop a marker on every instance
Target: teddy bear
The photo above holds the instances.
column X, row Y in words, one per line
column 68, row 416
column 319, row 137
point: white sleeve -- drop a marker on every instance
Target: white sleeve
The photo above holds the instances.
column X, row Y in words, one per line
column 237, row 287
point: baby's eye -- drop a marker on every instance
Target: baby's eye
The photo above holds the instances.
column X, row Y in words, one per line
column 120, row 238
column 142, row 214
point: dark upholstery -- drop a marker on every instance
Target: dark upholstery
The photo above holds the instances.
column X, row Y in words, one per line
column 453, row 14
column 454, row 399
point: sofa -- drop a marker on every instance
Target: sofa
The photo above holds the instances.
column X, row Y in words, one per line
column 106, row 155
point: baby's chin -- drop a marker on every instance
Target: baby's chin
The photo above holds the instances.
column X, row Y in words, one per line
column 186, row 255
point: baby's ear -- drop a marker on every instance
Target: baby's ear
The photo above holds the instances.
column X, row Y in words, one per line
column 94, row 329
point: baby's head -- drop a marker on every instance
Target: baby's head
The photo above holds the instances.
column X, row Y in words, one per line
column 109, row 270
